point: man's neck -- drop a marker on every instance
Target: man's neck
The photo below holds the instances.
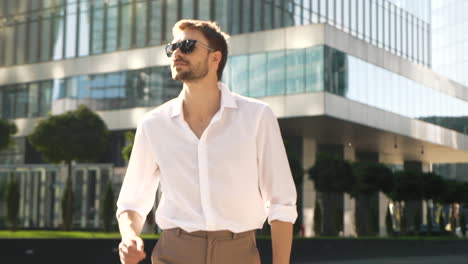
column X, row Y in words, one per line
column 202, row 99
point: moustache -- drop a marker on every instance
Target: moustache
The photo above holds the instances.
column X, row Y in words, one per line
column 180, row 60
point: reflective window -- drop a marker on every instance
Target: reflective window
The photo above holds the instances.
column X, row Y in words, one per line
column 45, row 97
column 111, row 25
column 97, row 45
column 276, row 73
column 239, row 76
column 21, row 40
column 171, row 17
column 58, row 33
column 84, row 32
column 257, row 77
column 71, row 30
column 203, row 9
column 46, row 33
column 141, row 11
column 9, row 45
column 187, row 9
column 8, row 102
column 246, row 16
column 295, row 71
column 21, row 104
column 314, row 69
column 126, row 25
column 155, row 22
column 257, row 22
column 33, row 100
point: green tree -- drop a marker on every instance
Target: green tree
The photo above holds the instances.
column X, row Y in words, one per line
column 434, row 186
column 127, row 150
column 12, row 197
column 332, row 177
column 455, row 192
column 463, row 223
column 7, row 130
column 407, row 187
column 108, row 208
column 79, row 135
column 317, row 219
column 370, row 178
column 293, row 146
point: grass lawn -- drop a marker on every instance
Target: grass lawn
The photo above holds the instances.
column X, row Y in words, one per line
column 27, row 234
column 62, row 234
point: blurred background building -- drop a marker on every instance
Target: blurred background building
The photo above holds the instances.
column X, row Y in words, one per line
column 377, row 80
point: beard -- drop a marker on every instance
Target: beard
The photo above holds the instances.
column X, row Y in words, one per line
column 197, row 72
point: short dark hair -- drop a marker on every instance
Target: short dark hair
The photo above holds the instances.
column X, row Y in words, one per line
column 217, row 39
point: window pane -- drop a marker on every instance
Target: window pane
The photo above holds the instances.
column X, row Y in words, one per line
column 84, row 25
column 276, row 73
column 239, row 74
column 21, row 42
column 155, row 23
column 58, row 34
column 314, row 69
column 187, row 9
column 203, row 9
column 33, row 106
column 2, row 44
column 156, row 86
column 295, row 71
column 257, row 80
column 257, row 18
column 45, row 38
column 267, row 10
column 45, row 97
column 246, row 16
column 126, row 24
column 8, row 103
column 10, row 44
column 171, row 17
column 33, row 42
column 98, row 27
column 70, row 42
column 111, row 30
column 21, row 106
column 141, row 11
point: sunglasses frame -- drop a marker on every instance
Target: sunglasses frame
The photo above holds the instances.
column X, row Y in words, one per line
column 186, row 46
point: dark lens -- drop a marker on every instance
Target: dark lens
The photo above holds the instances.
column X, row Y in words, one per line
column 169, row 50
column 187, row 46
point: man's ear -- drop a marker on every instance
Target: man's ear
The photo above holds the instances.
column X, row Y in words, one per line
column 217, row 56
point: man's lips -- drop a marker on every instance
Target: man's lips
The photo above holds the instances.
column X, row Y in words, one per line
column 179, row 63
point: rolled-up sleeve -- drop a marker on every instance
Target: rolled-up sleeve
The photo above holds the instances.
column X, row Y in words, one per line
column 275, row 179
column 141, row 178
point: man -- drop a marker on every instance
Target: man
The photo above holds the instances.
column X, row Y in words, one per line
column 221, row 162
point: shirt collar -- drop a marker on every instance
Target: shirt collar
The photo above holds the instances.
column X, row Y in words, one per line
column 227, row 100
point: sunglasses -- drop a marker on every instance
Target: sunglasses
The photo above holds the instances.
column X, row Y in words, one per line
column 185, row 46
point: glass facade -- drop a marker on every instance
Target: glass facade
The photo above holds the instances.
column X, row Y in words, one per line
column 283, row 72
column 74, row 28
column 449, row 41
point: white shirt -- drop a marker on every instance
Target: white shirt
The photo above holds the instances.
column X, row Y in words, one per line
column 232, row 178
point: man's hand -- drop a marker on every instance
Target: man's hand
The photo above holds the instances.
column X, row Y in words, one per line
column 131, row 250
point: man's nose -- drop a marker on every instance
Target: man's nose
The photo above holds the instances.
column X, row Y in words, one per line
column 177, row 54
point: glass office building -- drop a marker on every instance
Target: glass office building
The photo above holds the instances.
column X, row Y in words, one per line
column 351, row 77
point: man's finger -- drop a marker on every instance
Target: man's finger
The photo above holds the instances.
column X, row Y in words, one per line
column 140, row 245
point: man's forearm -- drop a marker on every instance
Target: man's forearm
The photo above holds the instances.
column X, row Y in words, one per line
column 130, row 223
column 281, row 239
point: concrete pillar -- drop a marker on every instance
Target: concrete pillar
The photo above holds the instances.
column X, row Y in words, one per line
column 308, row 193
column 349, row 206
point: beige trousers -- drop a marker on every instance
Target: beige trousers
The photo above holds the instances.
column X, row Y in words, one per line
column 177, row 246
